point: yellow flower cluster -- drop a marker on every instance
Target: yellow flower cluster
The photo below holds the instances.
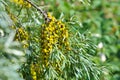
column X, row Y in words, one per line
column 63, row 36
column 22, row 2
column 22, row 36
column 53, row 33
column 33, row 72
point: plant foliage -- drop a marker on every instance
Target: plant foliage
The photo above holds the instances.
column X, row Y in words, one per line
column 56, row 40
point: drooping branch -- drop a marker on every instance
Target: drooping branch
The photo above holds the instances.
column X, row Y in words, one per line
column 40, row 10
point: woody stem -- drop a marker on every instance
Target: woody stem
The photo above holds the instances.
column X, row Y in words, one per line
column 40, row 10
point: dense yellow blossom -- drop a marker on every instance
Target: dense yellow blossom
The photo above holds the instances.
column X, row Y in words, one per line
column 33, row 72
column 22, row 2
column 22, row 36
column 53, row 33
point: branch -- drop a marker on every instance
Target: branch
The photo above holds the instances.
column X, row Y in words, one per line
column 40, row 10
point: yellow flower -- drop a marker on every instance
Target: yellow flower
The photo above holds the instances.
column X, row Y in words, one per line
column 34, row 78
column 44, row 50
column 33, row 72
column 53, row 32
column 28, row 5
column 22, row 2
column 14, row 1
column 66, row 33
column 22, row 36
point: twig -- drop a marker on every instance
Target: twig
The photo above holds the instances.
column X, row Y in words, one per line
column 40, row 10
column 20, row 11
